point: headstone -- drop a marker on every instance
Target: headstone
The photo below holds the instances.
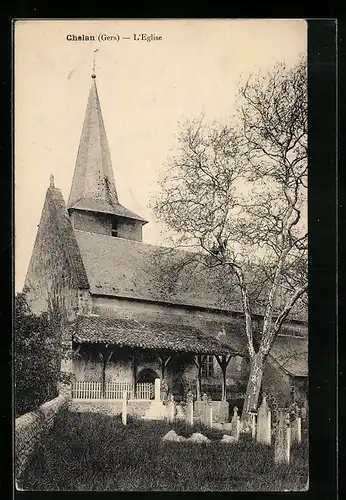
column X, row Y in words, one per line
column 282, row 439
column 253, row 424
column 170, row 408
column 189, row 408
column 264, row 423
column 296, row 430
column 208, row 412
column 157, row 389
column 124, row 408
column 235, row 424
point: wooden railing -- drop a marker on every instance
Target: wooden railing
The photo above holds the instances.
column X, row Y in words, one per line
column 112, row 390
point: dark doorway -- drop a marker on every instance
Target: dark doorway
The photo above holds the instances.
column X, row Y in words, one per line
column 147, row 375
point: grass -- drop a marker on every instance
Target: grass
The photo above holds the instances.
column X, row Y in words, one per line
column 90, row 452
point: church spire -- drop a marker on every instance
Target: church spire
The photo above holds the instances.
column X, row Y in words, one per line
column 93, row 182
column 93, row 204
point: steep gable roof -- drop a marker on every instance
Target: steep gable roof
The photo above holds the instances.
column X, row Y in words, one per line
column 55, row 226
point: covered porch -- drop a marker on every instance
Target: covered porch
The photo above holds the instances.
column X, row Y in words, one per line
column 115, row 355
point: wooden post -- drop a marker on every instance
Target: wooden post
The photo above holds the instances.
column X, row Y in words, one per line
column 264, row 423
column 282, row 439
column 223, row 362
column 164, row 360
column 134, row 375
column 198, row 360
column 189, row 408
column 124, row 408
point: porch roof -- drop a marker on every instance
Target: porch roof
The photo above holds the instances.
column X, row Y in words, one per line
column 148, row 335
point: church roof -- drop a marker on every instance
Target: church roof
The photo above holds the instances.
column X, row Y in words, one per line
column 124, row 268
column 104, row 207
column 93, row 186
column 148, row 335
column 131, row 269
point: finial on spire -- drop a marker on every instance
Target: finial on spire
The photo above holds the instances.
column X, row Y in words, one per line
column 51, row 181
column 93, row 73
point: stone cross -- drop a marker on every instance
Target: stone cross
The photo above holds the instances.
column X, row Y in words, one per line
column 264, row 423
column 282, row 439
column 124, row 408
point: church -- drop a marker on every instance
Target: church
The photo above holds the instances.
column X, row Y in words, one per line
column 131, row 313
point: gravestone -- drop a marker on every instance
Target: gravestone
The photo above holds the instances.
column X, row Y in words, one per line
column 189, row 408
column 264, row 423
column 157, row 389
column 296, row 430
column 253, row 424
column 282, row 439
column 208, row 412
column 170, row 408
column 235, row 424
column 124, row 408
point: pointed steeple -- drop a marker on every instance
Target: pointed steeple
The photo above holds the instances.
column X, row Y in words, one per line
column 93, row 182
column 93, row 204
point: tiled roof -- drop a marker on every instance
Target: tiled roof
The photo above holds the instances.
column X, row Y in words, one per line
column 292, row 354
column 55, row 213
column 148, row 335
column 101, row 206
column 131, row 269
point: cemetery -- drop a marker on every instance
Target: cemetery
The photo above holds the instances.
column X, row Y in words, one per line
column 181, row 449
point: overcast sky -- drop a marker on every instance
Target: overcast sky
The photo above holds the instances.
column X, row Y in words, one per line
column 145, row 89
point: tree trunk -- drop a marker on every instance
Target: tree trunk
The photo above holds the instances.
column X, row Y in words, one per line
column 254, row 385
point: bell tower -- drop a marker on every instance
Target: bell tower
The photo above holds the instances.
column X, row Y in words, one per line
column 93, row 203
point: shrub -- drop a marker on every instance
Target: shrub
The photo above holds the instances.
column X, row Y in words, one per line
column 36, row 357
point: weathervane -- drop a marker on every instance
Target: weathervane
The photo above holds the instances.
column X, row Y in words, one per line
column 93, row 74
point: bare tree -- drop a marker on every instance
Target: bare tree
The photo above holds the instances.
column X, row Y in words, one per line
column 237, row 194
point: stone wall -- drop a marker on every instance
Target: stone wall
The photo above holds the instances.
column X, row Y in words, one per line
column 91, row 222
column 31, row 428
column 130, row 229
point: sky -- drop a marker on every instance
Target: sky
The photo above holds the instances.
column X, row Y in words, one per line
column 145, row 90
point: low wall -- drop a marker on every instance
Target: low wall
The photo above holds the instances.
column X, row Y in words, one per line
column 136, row 408
column 31, row 427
